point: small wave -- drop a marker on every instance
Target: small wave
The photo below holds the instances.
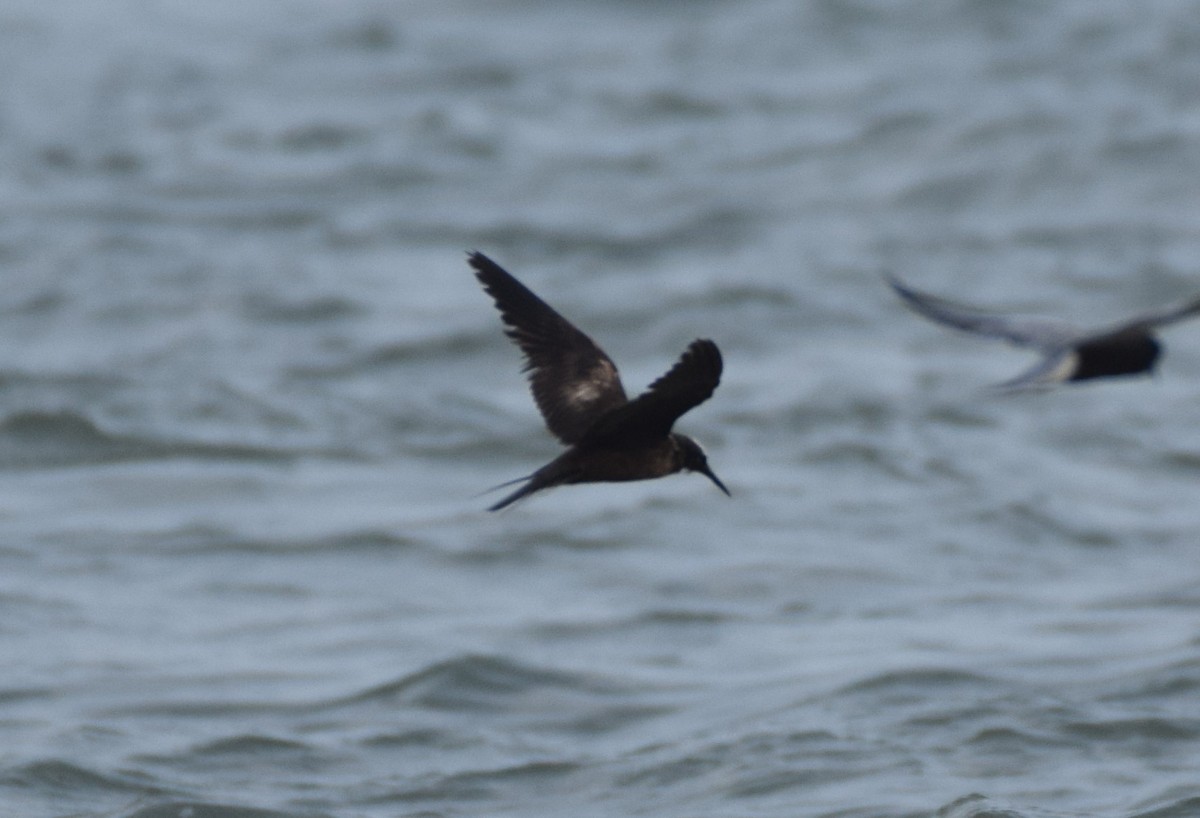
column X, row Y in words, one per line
column 1182, row 808
column 1183, row 461
column 657, row 776
column 238, row 752
column 750, row 767
column 611, row 719
column 422, row 739
column 372, row 34
column 475, row 683
column 952, row 190
column 728, row 296
column 14, row 695
column 269, row 309
column 64, row 777
column 61, row 427
column 477, row 785
column 341, row 543
column 975, row 806
column 678, row 103
column 250, row 745
column 1037, row 522
column 320, row 136
column 656, row 619
column 1010, row 739
column 719, row 226
column 855, row 453
column 435, row 349
column 35, row 438
column 193, row 809
column 915, row 684
column 73, row 159
column 1153, row 730
column 1175, row 680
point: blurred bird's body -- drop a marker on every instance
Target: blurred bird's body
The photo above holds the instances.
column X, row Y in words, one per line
column 1069, row 354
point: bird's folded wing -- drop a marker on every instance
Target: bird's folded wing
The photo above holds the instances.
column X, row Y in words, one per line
column 572, row 380
column 651, row 414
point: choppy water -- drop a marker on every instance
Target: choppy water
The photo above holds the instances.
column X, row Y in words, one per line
column 249, row 392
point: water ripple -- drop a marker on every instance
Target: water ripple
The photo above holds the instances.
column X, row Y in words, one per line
column 479, row 684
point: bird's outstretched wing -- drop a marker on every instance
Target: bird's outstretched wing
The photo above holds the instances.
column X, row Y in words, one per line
column 1160, row 316
column 1039, row 333
column 651, row 414
column 572, row 380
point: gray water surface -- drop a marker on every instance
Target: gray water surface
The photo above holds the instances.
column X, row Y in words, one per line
column 250, row 395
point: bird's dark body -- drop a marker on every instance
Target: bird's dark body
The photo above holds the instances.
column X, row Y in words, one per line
column 607, row 463
column 1132, row 352
column 578, row 390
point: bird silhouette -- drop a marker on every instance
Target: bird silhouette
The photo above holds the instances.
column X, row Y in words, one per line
column 579, row 393
column 1069, row 354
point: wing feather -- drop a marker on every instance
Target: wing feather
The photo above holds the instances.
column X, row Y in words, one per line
column 649, row 416
column 1158, row 317
column 573, row 381
column 1039, row 333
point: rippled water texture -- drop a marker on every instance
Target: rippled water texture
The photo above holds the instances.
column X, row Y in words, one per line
column 250, row 395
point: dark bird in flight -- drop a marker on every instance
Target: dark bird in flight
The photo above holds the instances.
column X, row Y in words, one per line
column 579, row 393
column 1068, row 353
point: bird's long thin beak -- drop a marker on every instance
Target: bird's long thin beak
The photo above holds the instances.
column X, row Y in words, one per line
column 707, row 472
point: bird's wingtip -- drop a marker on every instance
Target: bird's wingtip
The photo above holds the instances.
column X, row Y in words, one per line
column 898, row 285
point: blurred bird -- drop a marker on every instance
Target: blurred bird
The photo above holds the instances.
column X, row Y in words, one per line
column 579, row 393
column 1069, row 353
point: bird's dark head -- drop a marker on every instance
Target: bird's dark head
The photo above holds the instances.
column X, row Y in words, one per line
column 692, row 458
